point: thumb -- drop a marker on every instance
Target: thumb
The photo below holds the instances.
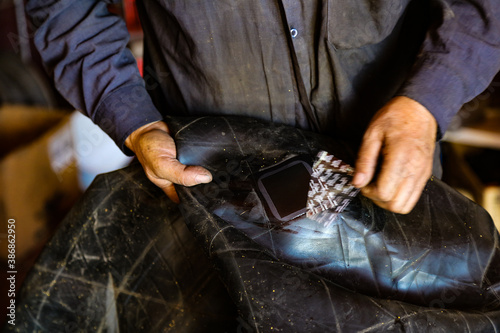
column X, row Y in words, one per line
column 156, row 151
column 178, row 173
column 367, row 158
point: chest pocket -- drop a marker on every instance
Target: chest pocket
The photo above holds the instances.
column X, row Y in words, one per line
column 356, row 23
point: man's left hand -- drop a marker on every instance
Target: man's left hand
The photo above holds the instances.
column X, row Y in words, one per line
column 403, row 132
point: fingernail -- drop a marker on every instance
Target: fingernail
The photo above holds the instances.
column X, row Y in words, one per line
column 358, row 179
column 202, row 178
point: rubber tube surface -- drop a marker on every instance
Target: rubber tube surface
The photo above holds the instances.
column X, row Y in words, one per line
column 370, row 270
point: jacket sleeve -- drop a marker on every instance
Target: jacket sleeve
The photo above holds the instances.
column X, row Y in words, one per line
column 83, row 48
column 459, row 58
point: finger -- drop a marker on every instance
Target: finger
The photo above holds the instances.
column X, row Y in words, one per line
column 391, row 175
column 158, row 152
column 178, row 173
column 367, row 159
column 412, row 201
column 171, row 193
column 406, row 196
column 165, row 185
column 420, row 182
column 399, row 203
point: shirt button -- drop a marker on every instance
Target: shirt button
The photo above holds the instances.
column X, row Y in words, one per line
column 294, row 33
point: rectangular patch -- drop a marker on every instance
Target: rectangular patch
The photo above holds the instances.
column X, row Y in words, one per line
column 330, row 188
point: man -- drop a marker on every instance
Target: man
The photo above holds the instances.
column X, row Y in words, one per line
column 396, row 71
column 384, row 74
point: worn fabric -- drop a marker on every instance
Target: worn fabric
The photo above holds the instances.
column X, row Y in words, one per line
column 323, row 65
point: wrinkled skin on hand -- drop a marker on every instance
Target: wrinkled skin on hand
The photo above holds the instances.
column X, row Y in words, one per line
column 155, row 150
column 403, row 133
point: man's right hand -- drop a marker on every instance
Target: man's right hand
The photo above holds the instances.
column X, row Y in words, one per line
column 155, row 149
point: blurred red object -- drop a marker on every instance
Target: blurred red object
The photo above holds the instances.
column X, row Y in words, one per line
column 132, row 17
column 140, row 65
